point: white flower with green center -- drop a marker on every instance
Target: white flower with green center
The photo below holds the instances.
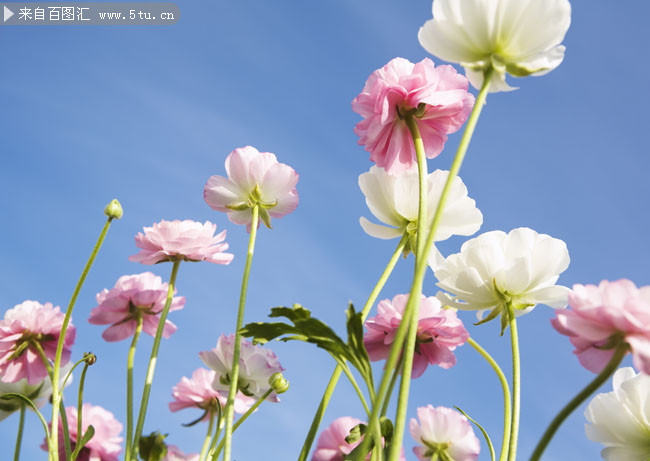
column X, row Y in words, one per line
column 519, row 37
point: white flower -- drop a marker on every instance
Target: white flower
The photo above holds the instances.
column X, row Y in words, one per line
column 393, row 199
column 520, row 37
column 495, row 269
column 620, row 420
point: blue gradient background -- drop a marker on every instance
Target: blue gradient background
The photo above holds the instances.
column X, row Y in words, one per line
column 147, row 114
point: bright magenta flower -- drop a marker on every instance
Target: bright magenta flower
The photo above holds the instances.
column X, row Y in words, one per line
column 105, row 444
column 198, row 392
column 440, row 331
column 175, row 454
column 602, row 316
column 24, row 325
column 253, row 178
column 132, row 296
column 436, row 96
column 181, row 241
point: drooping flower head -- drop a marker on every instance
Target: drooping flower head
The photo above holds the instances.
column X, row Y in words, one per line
column 105, row 444
column 393, row 199
column 256, row 365
column 24, row 326
column 175, row 454
column 620, row 420
column 436, row 97
column 254, row 178
column 440, row 331
column 519, row 37
column 445, row 432
column 181, row 241
column 603, row 316
column 496, row 269
column 198, row 392
column 132, row 297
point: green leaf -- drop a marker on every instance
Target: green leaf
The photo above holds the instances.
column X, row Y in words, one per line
column 356, row 433
column 89, row 434
column 153, row 447
column 355, row 342
column 485, row 434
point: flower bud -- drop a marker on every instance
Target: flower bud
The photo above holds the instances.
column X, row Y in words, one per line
column 278, row 383
column 114, row 209
column 90, row 358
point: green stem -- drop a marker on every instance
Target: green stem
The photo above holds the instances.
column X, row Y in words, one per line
column 208, row 436
column 507, row 417
column 331, row 385
column 400, row 334
column 56, row 394
column 234, row 374
column 356, row 387
column 516, row 384
column 19, row 437
column 240, row 421
column 152, row 361
column 598, row 381
column 80, row 402
column 217, row 432
column 129, row 387
column 391, row 386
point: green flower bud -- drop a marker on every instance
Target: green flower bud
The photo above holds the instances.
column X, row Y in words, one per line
column 90, row 358
column 153, row 447
column 114, row 210
column 278, row 383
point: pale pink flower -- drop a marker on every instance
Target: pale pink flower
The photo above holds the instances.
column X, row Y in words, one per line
column 440, row 331
column 602, row 316
column 436, row 96
column 175, row 454
column 253, row 178
column 105, row 444
column 446, row 432
column 256, row 365
column 181, row 241
column 24, row 324
column 198, row 392
column 132, row 296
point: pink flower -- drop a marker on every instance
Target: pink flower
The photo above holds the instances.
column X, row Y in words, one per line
column 253, row 178
column 602, row 316
column 132, row 296
column 23, row 325
column 436, row 96
column 440, row 331
column 446, row 432
column 175, row 454
column 105, row 444
column 256, row 365
column 331, row 444
column 181, row 241
column 199, row 393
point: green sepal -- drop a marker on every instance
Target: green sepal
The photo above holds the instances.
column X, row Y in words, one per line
column 196, row 421
column 265, row 217
column 240, row 207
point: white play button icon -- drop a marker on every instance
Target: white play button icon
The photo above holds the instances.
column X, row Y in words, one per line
column 8, row 13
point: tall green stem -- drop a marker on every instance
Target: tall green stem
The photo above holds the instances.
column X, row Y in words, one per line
column 507, row 417
column 234, row 374
column 516, row 384
column 19, row 437
column 129, row 387
column 391, row 386
column 152, row 361
column 400, row 334
column 56, row 392
column 80, row 401
column 208, row 436
column 331, row 385
column 598, row 381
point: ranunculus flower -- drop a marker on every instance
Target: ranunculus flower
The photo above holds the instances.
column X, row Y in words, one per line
column 175, row 454
column 496, row 268
column 256, row 365
column 23, row 325
column 446, row 432
column 602, row 316
column 198, row 392
column 436, row 97
column 393, row 199
column 515, row 37
column 132, row 296
column 105, row 444
column 253, row 178
column 620, row 420
column 440, row 331
column 181, row 241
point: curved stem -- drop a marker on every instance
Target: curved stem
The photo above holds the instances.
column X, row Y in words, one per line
column 208, row 436
column 331, row 385
column 129, row 388
column 391, row 386
column 507, row 417
column 598, row 381
column 234, row 373
column 400, row 334
column 19, row 437
column 152, row 361
column 356, row 387
column 516, row 384
column 80, row 401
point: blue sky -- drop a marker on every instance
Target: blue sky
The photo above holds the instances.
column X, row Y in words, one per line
column 147, row 114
